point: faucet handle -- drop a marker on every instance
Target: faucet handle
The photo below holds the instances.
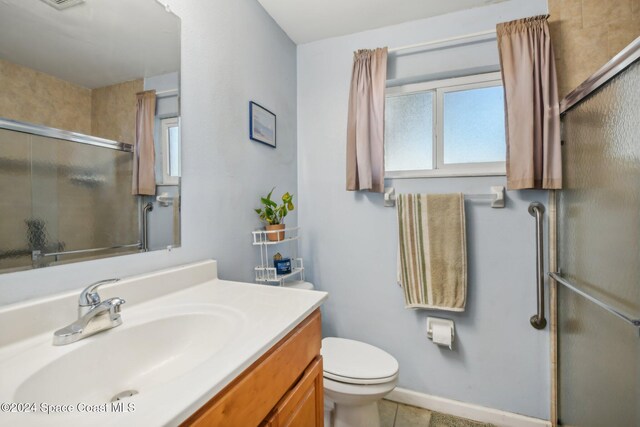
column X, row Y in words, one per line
column 116, row 302
column 115, row 308
column 89, row 297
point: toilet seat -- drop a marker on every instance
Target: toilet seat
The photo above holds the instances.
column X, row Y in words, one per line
column 354, row 362
column 359, row 381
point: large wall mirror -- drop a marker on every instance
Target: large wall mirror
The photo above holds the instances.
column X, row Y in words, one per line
column 89, row 105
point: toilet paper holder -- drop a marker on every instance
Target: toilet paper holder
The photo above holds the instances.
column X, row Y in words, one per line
column 432, row 321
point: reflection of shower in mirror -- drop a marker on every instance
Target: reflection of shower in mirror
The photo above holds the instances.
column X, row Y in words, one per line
column 68, row 134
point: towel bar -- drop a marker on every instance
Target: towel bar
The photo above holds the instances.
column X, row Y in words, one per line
column 496, row 196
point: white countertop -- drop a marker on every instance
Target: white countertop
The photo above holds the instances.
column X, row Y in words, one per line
column 259, row 317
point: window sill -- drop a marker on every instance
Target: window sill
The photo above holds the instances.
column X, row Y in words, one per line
column 442, row 173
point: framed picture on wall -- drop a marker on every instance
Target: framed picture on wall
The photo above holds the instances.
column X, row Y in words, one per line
column 262, row 124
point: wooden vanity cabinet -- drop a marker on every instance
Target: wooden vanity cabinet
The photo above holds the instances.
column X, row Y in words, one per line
column 303, row 405
column 281, row 389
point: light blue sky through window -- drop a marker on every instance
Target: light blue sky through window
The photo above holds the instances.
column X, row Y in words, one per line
column 174, row 151
column 474, row 126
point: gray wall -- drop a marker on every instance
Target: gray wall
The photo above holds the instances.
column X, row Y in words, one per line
column 350, row 240
column 232, row 52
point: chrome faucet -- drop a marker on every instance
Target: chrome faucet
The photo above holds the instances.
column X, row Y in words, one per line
column 94, row 315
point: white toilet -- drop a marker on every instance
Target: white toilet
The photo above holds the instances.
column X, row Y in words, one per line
column 356, row 377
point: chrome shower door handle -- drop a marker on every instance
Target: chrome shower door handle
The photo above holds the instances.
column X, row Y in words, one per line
column 536, row 210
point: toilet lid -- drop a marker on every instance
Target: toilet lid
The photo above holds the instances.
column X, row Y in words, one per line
column 356, row 362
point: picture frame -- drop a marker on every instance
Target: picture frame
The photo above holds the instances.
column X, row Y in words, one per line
column 262, row 124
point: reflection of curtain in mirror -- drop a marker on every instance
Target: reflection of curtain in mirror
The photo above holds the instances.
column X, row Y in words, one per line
column 144, row 179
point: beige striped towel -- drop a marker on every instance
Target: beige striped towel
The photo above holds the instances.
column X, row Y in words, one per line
column 432, row 253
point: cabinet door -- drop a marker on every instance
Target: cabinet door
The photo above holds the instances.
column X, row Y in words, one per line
column 302, row 406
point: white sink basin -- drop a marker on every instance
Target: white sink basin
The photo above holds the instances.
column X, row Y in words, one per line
column 133, row 357
column 185, row 335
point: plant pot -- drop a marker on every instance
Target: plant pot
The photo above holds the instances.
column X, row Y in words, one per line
column 275, row 237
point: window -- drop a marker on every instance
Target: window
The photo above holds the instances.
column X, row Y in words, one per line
column 170, row 129
column 451, row 127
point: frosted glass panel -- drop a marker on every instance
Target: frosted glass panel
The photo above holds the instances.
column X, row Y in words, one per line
column 599, row 251
column 474, row 126
column 15, row 200
column 409, row 132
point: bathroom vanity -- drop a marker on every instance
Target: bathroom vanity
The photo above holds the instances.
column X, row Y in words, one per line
column 191, row 350
column 282, row 388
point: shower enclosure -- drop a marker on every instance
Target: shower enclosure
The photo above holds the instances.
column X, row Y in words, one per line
column 63, row 196
column 598, row 214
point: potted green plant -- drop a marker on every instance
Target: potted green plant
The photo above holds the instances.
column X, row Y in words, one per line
column 273, row 214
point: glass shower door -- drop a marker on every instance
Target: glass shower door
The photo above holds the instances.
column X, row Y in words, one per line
column 599, row 252
column 62, row 200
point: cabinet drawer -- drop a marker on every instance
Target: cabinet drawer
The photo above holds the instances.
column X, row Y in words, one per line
column 249, row 399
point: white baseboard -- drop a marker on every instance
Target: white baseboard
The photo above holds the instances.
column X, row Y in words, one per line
column 464, row 410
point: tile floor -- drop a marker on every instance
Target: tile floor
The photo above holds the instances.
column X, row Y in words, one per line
column 398, row 415
column 394, row 414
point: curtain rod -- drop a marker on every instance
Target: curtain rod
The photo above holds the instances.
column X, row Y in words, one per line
column 450, row 39
column 169, row 92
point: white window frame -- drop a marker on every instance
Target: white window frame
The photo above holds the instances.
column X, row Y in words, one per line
column 439, row 88
column 165, row 124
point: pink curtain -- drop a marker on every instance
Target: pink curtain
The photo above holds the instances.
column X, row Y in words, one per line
column 144, row 175
column 532, row 109
column 365, row 127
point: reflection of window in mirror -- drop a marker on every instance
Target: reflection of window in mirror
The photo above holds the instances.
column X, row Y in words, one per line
column 170, row 129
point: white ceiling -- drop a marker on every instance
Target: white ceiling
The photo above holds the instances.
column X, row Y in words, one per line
column 95, row 44
column 309, row 20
